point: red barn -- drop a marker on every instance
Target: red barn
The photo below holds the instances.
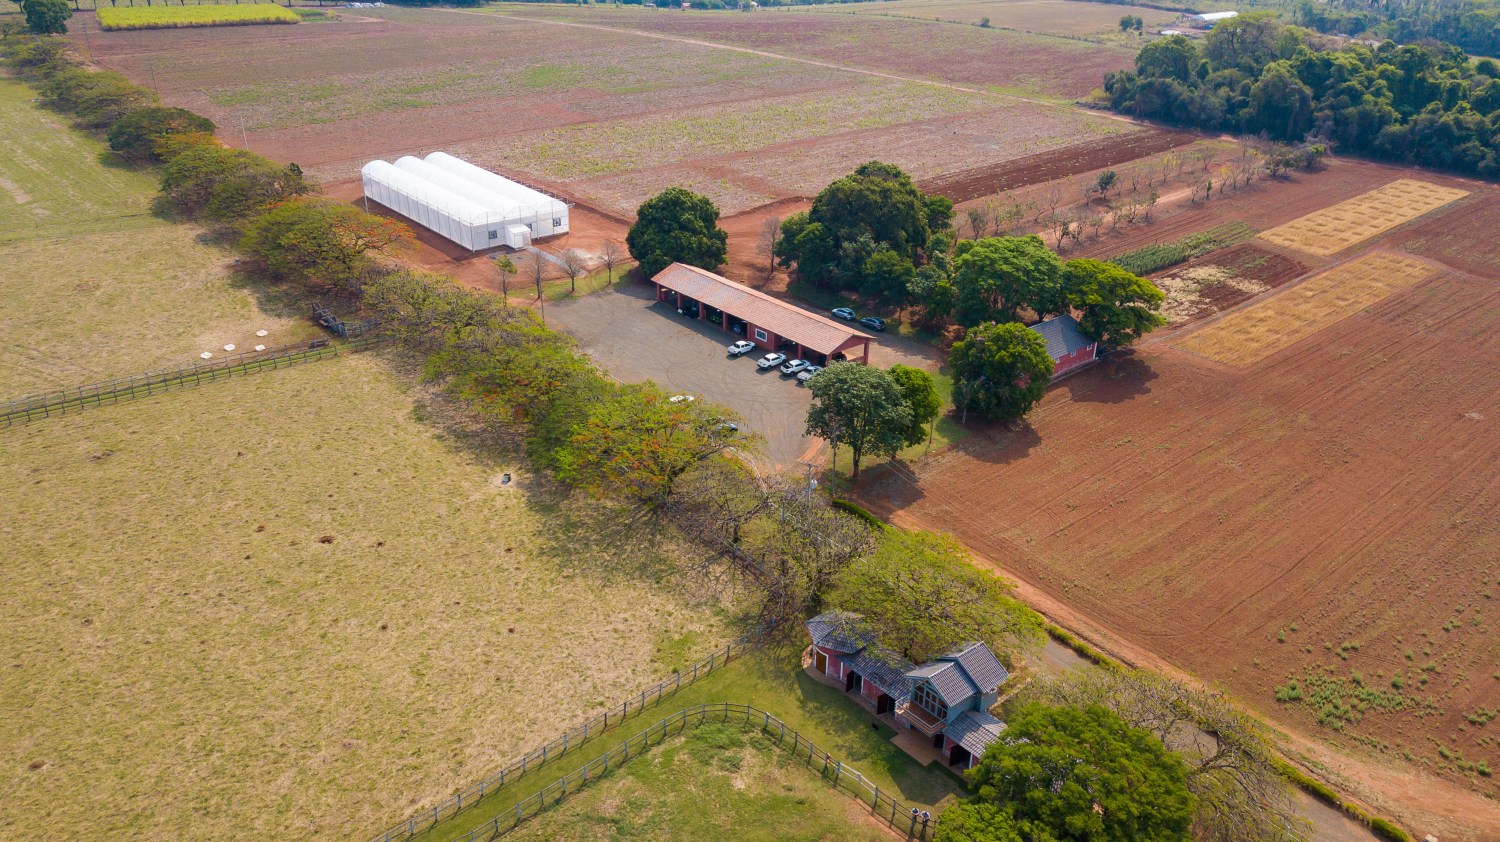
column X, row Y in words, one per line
column 1068, row 347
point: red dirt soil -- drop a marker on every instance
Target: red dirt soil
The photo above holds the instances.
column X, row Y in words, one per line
column 976, row 183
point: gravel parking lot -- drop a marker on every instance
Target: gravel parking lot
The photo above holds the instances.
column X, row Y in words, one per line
column 634, row 338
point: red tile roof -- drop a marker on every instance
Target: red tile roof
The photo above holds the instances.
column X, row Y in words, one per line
column 788, row 321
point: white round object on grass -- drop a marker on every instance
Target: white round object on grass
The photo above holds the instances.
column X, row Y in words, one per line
column 261, row 332
column 229, row 347
column 260, row 347
column 207, row 355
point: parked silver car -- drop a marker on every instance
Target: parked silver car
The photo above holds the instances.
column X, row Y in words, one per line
column 771, row 360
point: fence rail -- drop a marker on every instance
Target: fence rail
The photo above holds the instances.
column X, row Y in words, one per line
column 65, row 401
column 570, row 740
column 916, row 824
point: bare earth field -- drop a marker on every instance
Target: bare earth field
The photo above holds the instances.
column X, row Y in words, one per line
column 1303, row 509
column 282, row 607
column 1045, row 17
column 607, row 114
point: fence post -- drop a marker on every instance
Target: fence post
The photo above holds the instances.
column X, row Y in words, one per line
column 875, row 802
column 838, row 770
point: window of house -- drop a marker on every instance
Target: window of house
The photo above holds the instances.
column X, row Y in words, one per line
column 494, row 235
column 556, row 222
column 761, row 335
column 531, row 226
column 927, row 699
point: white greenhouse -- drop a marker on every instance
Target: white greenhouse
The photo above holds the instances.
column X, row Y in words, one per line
column 466, row 204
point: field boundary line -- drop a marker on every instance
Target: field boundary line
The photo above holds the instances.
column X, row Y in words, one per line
column 910, row 821
column 827, row 65
column 571, row 740
column 64, row 401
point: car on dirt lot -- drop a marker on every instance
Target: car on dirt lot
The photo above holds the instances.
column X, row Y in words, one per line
column 873, row 323
column 794, row 366
column 681, row 399
column 740, row 348
column 845, row 313
column 771, row 360
column 808, row 373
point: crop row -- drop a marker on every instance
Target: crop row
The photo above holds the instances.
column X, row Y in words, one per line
column 172, row 17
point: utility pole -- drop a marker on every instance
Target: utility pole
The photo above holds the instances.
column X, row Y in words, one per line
column 244, row 136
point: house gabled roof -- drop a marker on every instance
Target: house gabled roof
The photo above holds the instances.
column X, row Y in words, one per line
column 975, row 730
column 963, row 673
column 1062, row 336
column 841, row 631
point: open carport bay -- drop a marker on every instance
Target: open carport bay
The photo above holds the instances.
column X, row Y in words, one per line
column 635, row 338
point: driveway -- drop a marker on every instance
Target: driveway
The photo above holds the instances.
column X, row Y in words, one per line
column 635, row 338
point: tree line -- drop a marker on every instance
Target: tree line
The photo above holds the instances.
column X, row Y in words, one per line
column 1426, row 104
column 1471, row 25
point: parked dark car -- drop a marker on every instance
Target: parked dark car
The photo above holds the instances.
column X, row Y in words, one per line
column 873, row 323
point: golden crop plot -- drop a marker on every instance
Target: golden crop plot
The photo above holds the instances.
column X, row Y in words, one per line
column 1335, row 228
column 1252, row 334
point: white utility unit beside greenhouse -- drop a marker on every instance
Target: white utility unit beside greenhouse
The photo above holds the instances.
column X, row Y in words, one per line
column 467, row 204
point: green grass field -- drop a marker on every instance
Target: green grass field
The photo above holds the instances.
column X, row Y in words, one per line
column 186, row 657
column 96, row 287
column 56, row 183
column 113, row 18
column 716, row 781
column 772, row 681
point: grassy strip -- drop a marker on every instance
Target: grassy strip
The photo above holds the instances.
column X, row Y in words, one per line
column 173, row 17
column 1158, row 256
column 773, row 682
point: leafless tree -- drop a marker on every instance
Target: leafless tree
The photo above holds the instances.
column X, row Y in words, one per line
column 611, row 253
column 538, row 273
column 765, row 245
column 573, row 264
column 1152, row 197
column 979, row 221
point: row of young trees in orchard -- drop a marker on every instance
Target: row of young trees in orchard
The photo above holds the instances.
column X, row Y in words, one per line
column 1427, row 104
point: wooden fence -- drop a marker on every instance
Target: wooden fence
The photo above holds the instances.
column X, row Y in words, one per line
column 914, row 823
column 66, row 401
column 571, row 740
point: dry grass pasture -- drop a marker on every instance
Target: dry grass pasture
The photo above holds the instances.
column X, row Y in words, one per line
column 1331, row 230
column 282, row 607
column 1251, row 334
column 1045, row 17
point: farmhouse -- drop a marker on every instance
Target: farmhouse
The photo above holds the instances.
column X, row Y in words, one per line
column 1068, row 347
column 466, row 204
column 947, row 699
column 768, row 322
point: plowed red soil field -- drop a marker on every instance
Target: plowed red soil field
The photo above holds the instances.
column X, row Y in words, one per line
column 965, row 185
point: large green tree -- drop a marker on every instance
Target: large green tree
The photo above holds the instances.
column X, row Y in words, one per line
column 921, row 395
column 226, row 184
column 138, row 134
column 637, row 443
column 1059, row 774
column 677, row 226
column 997, row 277
column 1000, row 370
column 1116, row 306
column 322, row 244
column 861, row 408
column 866, row 232
column 46, row 17
column 922, row 596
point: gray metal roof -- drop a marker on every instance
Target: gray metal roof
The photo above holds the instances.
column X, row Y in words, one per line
column 948, row 679
column 984, row 669
column 884, row 668
column 1062, row 336
column 840, row 631
column 975, row 730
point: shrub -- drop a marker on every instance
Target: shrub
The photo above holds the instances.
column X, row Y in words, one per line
column 96, row 98
column 140, row 132
column 859, row 512
column 1385, row 830
column 226, row 184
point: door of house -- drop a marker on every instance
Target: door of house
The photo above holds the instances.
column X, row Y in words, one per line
column 884, row 704
column 853, row 681
column 821, row 662
column 958, row 757
column 937, row 740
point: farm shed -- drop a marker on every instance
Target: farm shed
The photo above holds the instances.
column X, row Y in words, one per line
column 1068, row 347
column 768, row 322
column 466, row 204
column 1214, row 17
